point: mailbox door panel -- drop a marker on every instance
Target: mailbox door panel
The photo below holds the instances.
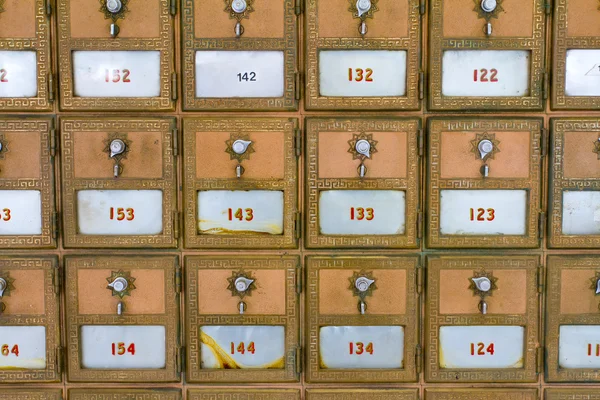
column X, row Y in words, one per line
column 247, row 393
column 575, row 45
column 27, row 201
column 118, row 59
column 362, row 319
column 119, row 183
column 574, row 184
column 482, row 319
column 242, row 319
column 26, row 80
column 487, row 57
column 482, row 394
column 572, row 319
column 348, row 70
column 30, row 324
column 258, row 209
column 122, row 319
column 484, row 183
column 363, row 176
column 256, row 70
column 123, row 394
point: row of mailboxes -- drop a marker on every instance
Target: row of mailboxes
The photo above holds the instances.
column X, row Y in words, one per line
column 310, row 394
column 241, row 320
column 365, row 186
column 243, row 55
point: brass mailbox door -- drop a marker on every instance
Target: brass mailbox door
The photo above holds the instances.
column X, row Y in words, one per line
column 482, row 319
column 123, row 394
column 240, row 55
column 484, row 183
column 26, row 80
column 122, row 318
column 240, row 183
column 574, row 183
column 117, row 55
column 362, row 182
column 487, row 55
column 245, row 394
column 119, row 182
column 572, row 394
column 30, row 394
column 362, row 317
column 27, row 203
column 575, row 48
column 242, row 319
column 29, row 320
column 363, row 55
column 362, row 394
column 482, row 394
column 573, row 319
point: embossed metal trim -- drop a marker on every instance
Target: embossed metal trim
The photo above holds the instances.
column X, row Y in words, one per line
column 191, row 44
column 434, row 320
column 50, row 319
column 439, row 43
column 315, row 320
column 290, row 320
column 362, row 394
column 245, row 394
column 561, row 42
column 314, row 44
column 554, row 318
column 559, row 183
column 41, row 44
column 74, row 320
column 435, row 182
column 45, row 183
column 572, row 394
column 482, row 394
column 163, row 43
column 314, row 239
column 191, row 184
column 71, row 184
column 31, row 394
column 123, row 394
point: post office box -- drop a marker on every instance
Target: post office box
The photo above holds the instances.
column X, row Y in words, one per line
column 122, row 318
column 574, row 192
column 29, row 320
column 243, row 394
column 363, row 55
column 119, row 182
column 242, row 318
column 240, row 55
column 487, row 55
column 572, row 394
column 27, row 204
column 30, row 394
column 116, row 55
column 484, row 183
column 26, row 80
column 362, row 394
column 362, row 319
column 362, row 182
column 573, row 319
column 240, row 182
column 124, row 394
column 482, row 394
column 482, row 319
column 575, row 48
